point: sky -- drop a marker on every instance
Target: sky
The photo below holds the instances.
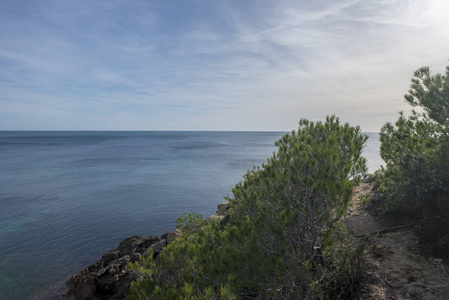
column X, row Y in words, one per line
column 213, row 65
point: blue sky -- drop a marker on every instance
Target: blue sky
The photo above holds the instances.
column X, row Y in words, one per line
column 212, row 65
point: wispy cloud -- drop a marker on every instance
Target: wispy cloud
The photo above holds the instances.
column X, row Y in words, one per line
column 234, row 65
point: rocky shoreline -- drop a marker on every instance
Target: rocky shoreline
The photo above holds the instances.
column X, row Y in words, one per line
column 394, row 268
column 110, row 277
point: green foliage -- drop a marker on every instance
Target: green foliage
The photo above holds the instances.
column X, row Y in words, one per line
column 365, row 199
column 342, row 268
column 282, row 238
column 189, row 222
column 415, row 180
column 304, row 188
column 431, row 93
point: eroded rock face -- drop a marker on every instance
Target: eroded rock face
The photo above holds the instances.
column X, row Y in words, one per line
column 110, row 277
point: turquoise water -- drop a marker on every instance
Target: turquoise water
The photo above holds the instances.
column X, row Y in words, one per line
column 68, row 197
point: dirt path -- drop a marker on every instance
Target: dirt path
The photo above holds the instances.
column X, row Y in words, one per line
column 394, row 269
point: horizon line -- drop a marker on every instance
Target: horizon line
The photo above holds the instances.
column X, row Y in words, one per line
column 122, row 130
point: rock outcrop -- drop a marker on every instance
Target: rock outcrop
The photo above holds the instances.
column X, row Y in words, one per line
column 110, row 277
column 223, row 208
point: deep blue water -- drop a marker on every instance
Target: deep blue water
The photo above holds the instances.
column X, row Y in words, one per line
column 68, row 197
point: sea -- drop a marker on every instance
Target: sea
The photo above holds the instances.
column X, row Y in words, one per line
column 68, row 197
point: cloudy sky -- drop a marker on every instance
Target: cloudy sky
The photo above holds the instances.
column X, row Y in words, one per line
column 212, row 65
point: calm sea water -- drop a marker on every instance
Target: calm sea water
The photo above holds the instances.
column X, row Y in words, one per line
column 68, row 197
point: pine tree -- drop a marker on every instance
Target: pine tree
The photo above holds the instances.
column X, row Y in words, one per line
column 281, row 238
column 415, row 180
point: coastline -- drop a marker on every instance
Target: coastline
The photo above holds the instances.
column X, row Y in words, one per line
column 69, row 197
column 110, row 277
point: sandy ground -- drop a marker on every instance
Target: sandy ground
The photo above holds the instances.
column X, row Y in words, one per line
column 394, row 267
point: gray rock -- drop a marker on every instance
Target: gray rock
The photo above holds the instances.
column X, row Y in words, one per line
column 173, row 236
column 110, row 277
column 157, row 247
column 222, row 208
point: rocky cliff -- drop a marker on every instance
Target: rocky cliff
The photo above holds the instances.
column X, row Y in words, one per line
column 110, row 277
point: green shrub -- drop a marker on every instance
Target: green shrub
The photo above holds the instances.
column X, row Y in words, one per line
column 415, row 180
column 282, row 237
column 343, row 266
